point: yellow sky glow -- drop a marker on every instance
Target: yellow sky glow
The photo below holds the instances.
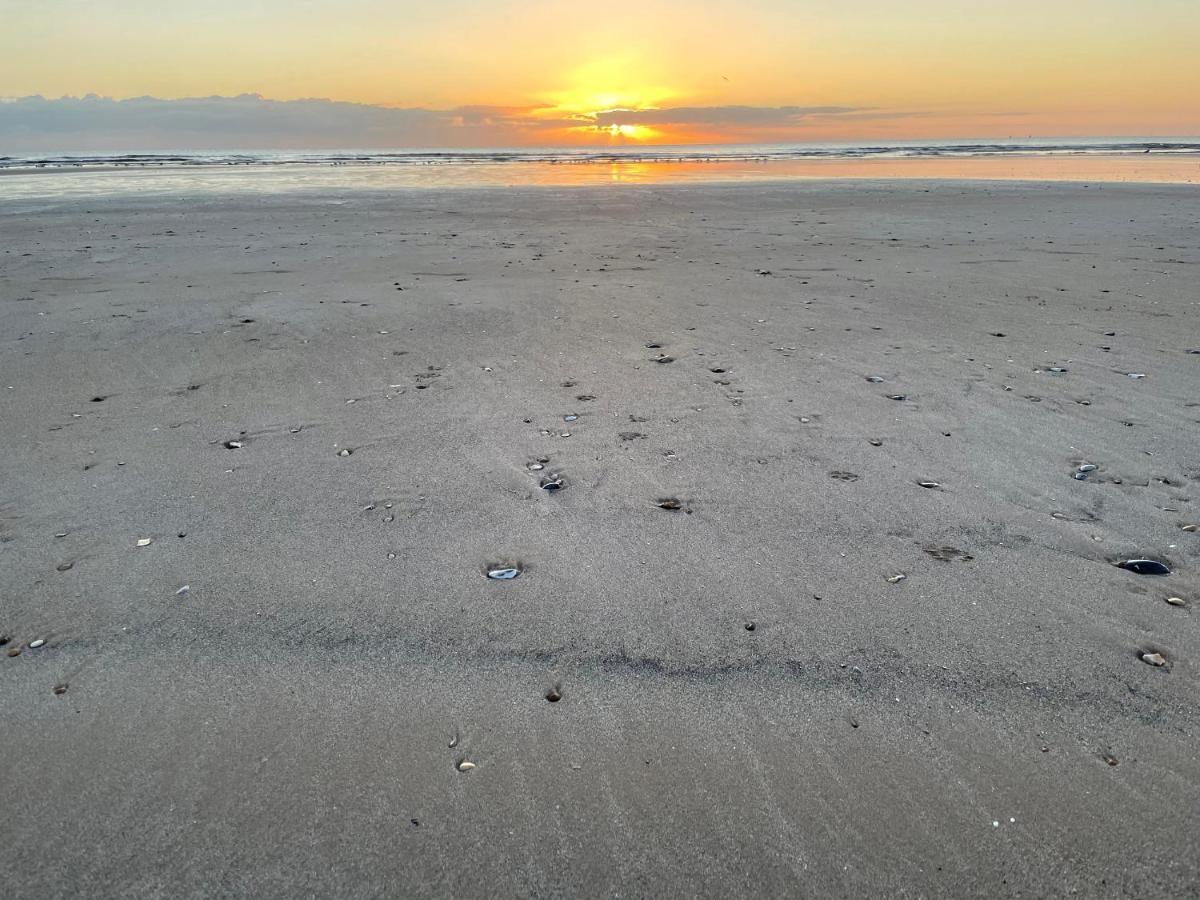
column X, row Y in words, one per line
column 925, row 69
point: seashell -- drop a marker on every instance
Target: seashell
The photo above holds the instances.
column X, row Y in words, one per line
column 505, row 573
column 1145, row 567
column 145, row 542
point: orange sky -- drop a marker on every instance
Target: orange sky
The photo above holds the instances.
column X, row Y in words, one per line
column 920, row 69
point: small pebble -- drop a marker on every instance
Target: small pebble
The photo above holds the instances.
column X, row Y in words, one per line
column 874, row 379
column 570, row 418
column 1080, row 476
column 1087, row 467
column 145, row 542
column 60, row 689
column 345, row 451
column 466, row 766
column 1154, row 659
column 34, row 644
column 1177, row 601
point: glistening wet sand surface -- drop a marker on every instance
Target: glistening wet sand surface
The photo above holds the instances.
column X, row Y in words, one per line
column 749, row 697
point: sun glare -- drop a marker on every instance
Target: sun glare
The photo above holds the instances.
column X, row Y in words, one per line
column 595, row 90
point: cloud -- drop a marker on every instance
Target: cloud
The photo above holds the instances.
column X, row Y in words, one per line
column 252, row 122
column 742, row 116
column 244, row 122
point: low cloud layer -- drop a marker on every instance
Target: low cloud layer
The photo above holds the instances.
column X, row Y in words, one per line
column 92, row 123
column 739, row 116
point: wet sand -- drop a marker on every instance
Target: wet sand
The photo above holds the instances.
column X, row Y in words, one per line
column 750, row 700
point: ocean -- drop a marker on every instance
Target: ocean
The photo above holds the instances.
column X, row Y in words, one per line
column 208, row 171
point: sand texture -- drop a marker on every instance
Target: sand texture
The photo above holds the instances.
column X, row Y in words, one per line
column 750, row 701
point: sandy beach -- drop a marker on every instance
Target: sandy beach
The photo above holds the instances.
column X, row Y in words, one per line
column 819, row 608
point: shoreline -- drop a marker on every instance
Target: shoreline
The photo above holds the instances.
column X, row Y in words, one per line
column 24, row 184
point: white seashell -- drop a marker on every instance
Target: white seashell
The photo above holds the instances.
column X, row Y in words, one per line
column 466, row 766
column 145, row 542
column 36, row 643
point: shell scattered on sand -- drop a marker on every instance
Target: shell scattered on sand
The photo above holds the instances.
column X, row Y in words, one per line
column 1154, row 659
column 1145, row 567
column 145, row 542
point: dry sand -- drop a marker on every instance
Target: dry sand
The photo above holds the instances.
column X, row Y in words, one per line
column 983, row 728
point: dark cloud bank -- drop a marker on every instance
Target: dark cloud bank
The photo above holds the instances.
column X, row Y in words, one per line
column 250, row 121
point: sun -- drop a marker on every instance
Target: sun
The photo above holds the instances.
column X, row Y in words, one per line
column 596, row 93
